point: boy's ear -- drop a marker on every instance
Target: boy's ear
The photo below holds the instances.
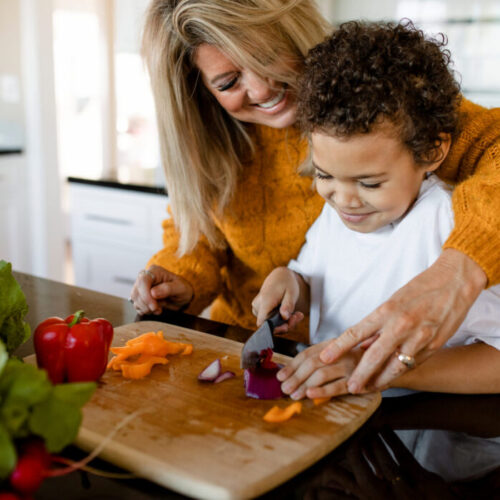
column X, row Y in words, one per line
column 440, row 153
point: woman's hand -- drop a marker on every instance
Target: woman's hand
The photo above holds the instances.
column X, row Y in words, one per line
column 307, row 376
column 156, row 288
column 282, row 288
column 416, row 321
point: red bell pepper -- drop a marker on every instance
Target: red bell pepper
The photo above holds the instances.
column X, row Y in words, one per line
column 74, row 349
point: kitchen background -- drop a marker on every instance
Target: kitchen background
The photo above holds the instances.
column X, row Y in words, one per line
column 81, row 189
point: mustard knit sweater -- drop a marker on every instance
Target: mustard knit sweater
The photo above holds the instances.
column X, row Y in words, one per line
column 265, row 224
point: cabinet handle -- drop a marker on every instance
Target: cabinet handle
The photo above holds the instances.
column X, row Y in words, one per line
column 110, row 220
column 123, row 280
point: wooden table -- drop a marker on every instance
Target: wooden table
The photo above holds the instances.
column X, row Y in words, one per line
column 344, row 469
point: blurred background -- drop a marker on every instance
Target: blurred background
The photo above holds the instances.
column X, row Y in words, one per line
column 81, row 188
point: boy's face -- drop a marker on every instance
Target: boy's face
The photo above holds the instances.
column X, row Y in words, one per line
column 370, row 179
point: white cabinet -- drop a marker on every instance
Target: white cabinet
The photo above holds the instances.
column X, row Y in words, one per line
column 114, row 232
column 14, row 229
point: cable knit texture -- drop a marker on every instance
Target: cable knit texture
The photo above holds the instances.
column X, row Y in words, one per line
column 264, row 227
column 265, row 224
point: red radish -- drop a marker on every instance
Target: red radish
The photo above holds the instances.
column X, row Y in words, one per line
column 9, row 496
column 28, row 474
column 32, row 464
column 224, row 376
column 211, row 372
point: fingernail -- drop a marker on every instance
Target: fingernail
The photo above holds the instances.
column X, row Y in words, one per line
column 281, row 376
column 286, row 388
column 296, row 395
column 353, row 387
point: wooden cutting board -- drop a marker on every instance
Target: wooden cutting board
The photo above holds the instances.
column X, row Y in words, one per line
column 209, row 440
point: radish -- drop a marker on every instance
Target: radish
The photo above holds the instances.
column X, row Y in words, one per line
column 31, row 467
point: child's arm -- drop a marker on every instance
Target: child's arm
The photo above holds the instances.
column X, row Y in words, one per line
column 471, row 369
column 287, row 289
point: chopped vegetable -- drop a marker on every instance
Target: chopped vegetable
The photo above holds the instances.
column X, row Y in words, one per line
column 138, row 356
column 261, row 381
column 224, row 376
column 277, row 414
column 211, row 372
column 320, row 401
column 74, row 349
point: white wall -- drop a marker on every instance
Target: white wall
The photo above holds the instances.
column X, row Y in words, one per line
column 11, row 106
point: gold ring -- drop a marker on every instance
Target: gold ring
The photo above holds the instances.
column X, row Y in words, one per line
column 396, row 479
column 408, row 361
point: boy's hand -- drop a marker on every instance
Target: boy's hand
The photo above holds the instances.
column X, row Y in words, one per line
column 307, row 376
column 280, row 287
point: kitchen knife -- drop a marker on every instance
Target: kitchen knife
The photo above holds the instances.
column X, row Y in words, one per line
column 260, row 340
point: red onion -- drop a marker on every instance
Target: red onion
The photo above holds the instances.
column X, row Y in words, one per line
column 224, row 376
column 211, row 372
column 261, row 381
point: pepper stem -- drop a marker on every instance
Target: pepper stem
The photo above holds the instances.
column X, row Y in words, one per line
column 77, row 317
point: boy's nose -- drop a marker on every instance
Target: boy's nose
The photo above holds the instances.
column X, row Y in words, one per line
column 346, row 199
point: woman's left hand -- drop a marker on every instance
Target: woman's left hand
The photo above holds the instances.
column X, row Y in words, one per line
column 307, row 376
column 416, row 321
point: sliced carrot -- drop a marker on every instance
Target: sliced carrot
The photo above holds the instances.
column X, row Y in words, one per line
column 136, row 358
column 187, row 350
column 320, row 401
column 141, row 368
column 277, row 414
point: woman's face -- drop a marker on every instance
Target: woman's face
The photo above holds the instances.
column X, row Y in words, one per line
column 243, row 94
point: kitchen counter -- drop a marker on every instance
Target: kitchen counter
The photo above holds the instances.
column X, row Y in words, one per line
column 116, row 184
column 462, row 443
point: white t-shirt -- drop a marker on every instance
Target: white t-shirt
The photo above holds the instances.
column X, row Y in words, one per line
column 350, row 273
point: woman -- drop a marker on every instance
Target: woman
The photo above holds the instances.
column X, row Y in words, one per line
column 223, row 74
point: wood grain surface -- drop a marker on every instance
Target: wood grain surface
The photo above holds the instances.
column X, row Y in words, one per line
column 209, row 440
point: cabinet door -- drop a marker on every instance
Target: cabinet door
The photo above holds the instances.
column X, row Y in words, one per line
column 114, row 234
column 14, row 229
column 107, row 268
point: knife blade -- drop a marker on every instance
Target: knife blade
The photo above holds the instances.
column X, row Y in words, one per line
column 260, row 340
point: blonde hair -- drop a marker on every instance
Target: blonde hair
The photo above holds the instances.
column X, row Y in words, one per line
column 202, row 146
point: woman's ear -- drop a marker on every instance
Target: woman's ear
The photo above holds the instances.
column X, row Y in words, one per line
column 440, row 153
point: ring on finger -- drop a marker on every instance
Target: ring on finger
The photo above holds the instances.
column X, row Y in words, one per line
column 406, row 359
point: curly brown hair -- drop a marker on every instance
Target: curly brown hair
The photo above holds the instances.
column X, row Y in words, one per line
column 366, row 72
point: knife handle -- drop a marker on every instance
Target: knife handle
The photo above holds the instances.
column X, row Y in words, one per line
column 275, row 319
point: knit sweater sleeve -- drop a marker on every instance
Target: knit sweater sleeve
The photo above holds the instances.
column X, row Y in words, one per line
column 474, row 165
column 201, row 267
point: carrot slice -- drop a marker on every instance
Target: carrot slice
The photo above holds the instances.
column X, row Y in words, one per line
column 277, row 414
column 136, row 358
column 320, row 401
column 138, row 369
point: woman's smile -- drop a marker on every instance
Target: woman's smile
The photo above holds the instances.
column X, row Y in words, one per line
column 245, row 95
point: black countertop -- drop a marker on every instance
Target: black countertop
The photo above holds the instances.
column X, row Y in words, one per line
column 457, row 432
column 115, row 184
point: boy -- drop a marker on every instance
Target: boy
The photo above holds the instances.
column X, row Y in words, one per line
column 380, row 105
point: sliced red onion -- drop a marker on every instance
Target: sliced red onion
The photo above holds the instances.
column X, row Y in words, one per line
column 211, row 372
column 261, row 383
column 224, row 376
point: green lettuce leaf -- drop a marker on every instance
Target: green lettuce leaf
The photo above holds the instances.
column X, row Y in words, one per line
column 13, row 308
column 8, row 456
column 58, row 418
